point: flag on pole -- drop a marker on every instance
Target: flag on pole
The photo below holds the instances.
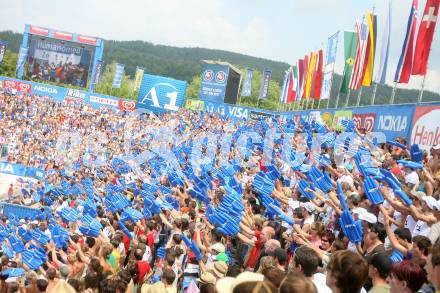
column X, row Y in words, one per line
column 350, row 45
column 310, row 73
column 265, row 83
column 3, row 46
column 318, row 77
column 283, row 95
column 98, row 70
column 117, row 79
column 22, row 55
column 138, row 78
column 332, row 46
column 293, row 85
column 247, row 85
column 300, row 76
column 305, row 71
column 361, row 53
column 404, row 67
column 424, row 37
column 371, row 49
column 385, row 49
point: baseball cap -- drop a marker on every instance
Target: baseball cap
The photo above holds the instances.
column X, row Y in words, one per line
column 308, row 206
column 436, row 147
column 227, row 285
column 430, row 201
column 381, row 262
column 222, row 257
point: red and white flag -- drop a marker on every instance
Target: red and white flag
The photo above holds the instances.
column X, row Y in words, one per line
column 357, row 75
column 424, row 37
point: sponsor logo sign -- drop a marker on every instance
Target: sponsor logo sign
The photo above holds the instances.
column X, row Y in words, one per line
column 160, row 94
column 364, row 121
column 126, row 105
column 426, row 127
column 213, row 83
column 104, row 101
column 39, row 88
column 19, row 86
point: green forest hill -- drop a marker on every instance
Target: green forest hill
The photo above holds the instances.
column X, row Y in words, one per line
column 186, row 64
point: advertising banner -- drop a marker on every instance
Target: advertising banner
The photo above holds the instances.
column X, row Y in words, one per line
column 117, row 79
column 426, row 126
column 247, row 84
column 98, row 71
column 213, row 82
column 265, row 83
column 3, row 45
column 231, row 111
column 160, row 94
column 195, row 105
column 138, row 78
column 393, row 121
column 339, row 116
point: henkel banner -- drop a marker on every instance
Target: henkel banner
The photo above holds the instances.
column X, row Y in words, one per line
column 426, row 126
column 393, row 121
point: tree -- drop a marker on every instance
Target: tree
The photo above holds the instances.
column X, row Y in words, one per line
column 7, row 68
column 105, row 84
column 193, row 89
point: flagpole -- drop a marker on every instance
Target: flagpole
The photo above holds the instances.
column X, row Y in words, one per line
column 393, row 93
column 359, row 97
column 422, row 89
column 373, row 97
column 348, row 98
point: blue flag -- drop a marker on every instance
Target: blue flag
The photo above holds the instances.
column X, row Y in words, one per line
column 264, row 91
column 3, row 45
column 247, row 84
column 117, row 79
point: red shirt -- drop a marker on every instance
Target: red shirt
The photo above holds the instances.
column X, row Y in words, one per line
column 256, row 250
column 144, row 268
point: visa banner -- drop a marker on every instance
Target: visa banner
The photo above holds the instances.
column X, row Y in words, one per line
column 160, row 94
column 213, row 82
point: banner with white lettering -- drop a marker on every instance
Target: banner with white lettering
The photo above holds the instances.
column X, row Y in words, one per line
column 117, row 79
column 393, row 121
column 247, row 84
column 265, row 83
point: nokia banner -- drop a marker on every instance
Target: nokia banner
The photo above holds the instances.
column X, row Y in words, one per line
column 159, row 94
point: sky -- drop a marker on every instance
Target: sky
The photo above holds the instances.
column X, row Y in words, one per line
column 281, row 30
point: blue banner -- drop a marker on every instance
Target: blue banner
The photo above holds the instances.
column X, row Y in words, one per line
column 247, row 84
column 265, row 83
column 22, row 55
column 332, row 47
column 213, row 82
column 117, row 79
column 3, row 45
column 160, row 94
column 22, row 171
column 98, row 70
column 394, row 121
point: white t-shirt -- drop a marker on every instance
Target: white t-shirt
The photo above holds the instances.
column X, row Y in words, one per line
column 319, row 280
column 421, row 228
column 410, row 223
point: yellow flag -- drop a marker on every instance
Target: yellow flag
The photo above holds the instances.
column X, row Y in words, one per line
column 368, row 77
column 310, row 71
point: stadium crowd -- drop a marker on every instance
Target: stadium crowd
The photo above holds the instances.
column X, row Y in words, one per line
column 125, row 207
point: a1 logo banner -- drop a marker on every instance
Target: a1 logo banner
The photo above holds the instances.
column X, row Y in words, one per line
column 160, row 94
